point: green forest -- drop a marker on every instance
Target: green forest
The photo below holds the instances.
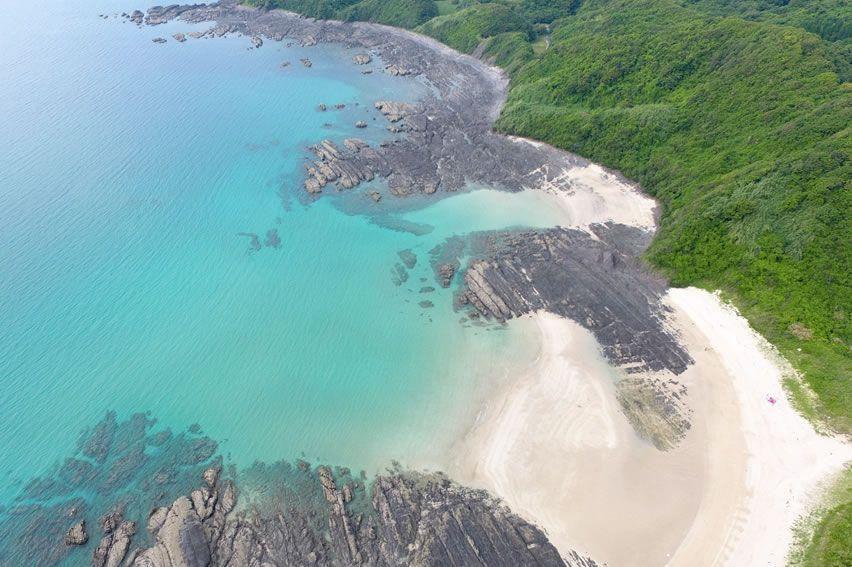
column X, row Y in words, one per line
column 734, row 114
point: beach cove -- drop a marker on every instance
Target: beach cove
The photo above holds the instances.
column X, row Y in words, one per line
column 355, row 313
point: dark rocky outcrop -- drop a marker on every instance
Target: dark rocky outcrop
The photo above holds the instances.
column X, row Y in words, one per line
column 446, row 272
column 597, row 281
column 115, row 542
column 179, row 509
column 333, row 165
column 77, row 534
column 448, row 139
column 401, row 519
column 120, row 470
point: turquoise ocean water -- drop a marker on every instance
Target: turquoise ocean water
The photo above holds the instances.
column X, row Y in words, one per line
column 128, row 170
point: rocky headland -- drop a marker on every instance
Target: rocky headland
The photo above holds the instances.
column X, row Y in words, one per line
column 135, row 496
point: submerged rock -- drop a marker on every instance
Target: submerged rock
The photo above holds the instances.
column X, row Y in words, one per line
column 272, row 239
column 159, row 40
column 399, row 275
column 397, row 70
column 408, row 257
column 179, row 37
column 446, row 272
column 399, row 519
column 254, row 240
column 394, row 111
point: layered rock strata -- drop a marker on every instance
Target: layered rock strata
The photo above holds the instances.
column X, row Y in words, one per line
column 294, row 514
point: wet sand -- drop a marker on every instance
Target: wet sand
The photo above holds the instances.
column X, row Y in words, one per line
column 555, row 445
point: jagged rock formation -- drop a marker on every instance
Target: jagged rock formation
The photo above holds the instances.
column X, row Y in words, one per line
column 115, row 542
column 177, row 508
column 598, row 282
column 448, row 139
column 411, row 519
column 334, row 165
column 77, row 535
column 118, row 472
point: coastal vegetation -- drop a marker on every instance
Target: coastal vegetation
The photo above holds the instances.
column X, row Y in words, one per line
column 400, row 13
column 734, row 114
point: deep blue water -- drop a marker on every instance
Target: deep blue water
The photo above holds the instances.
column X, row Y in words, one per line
column 128, row 170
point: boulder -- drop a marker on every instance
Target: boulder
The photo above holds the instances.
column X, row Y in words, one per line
column 77, row 534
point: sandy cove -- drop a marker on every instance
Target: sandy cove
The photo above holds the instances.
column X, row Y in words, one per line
column 556, row 447
column 554, row 443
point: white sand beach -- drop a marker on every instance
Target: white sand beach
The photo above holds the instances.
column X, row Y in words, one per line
column 556, row 447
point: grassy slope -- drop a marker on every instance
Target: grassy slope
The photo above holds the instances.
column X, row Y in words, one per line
column 737, row 118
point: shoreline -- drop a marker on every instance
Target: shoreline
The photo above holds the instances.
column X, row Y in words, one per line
column 555, row 445
column 567, row 458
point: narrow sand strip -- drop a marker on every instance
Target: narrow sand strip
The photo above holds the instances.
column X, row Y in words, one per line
column 589, row 194
column 555, row 445
column 786, row 459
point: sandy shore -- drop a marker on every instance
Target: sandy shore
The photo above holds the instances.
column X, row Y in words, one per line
column 555, row 445
column 588, row 194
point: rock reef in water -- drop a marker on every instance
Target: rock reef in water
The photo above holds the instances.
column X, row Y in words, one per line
column 401, row 519
column 408, row 257
column 307, row 516
column 448, row 138
column 120, row 470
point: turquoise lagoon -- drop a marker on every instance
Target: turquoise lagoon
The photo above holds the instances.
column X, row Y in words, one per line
column 129, row 170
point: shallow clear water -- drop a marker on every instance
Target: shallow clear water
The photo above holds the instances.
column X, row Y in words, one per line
column 128, row 170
